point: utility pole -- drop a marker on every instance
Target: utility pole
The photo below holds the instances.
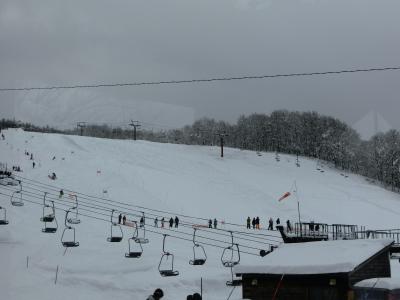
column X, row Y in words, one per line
column 221, row 135
column 134, row 124
column 81, row 125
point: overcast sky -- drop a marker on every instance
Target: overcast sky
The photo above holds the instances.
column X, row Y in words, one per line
column 50, row 42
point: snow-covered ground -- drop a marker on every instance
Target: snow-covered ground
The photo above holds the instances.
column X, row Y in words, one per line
column 187, row 180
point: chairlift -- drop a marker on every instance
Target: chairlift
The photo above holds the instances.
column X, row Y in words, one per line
column 15, row 200
column 68, row 243
column 115, row 238
column 231, row 255
column 198, row 260
column 141, row 238
column 233, row 282
column 134, row 254
column 49, row 217
column 54, row 228
column 3, row 221
column 74, row 220
column 166, row 272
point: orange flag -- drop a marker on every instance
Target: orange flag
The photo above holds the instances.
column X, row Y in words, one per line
column 285, row 195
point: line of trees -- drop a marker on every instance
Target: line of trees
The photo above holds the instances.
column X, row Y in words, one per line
column 302, row 133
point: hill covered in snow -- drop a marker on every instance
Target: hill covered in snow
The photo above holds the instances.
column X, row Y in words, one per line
column 162, row 180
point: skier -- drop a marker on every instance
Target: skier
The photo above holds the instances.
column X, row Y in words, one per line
column 141, row 222
column 61, row 194
column 3, row 137
column 253, row 222
column 278, row 221
column 119, row 218
column 124, row 220
column 31, row 156
column 215, row 223
column 162, row 222
column 171, row 222
column 270, row 224
column 176, row 222
column 156, row 222
column 157, row 295
column 210, row 223
column 248, row 222
column 33, row 164
column 257, row 223
column 288, row 226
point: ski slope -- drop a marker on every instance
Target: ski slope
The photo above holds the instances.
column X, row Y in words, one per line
column 187, row 180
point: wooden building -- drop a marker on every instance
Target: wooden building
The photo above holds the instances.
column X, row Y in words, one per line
column 315, row 271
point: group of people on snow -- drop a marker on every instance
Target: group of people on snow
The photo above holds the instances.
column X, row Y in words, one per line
column 255, row 223
column 212, row 223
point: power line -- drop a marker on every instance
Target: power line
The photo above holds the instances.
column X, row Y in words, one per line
column 140, row 209
column 149, row 230
column 205, row 80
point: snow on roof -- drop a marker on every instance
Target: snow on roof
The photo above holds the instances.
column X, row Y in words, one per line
column 323, row 257
column 380, row 283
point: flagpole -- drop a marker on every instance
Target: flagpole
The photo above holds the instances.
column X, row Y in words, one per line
column 298, row 202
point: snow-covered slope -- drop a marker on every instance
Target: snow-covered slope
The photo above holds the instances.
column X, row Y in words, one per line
column 187, row 180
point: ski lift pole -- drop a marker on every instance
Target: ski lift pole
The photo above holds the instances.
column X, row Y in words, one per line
column 298, row 202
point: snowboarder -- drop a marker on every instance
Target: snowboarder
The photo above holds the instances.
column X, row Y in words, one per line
column 33, row 164
column 171, row 222
column 162, row 222
column 288, row 226
column 156, row 222
column 215, row 223
column 210, row 223
column 176, row 222
column 248, row 221
column 278, row 221
column 61, row 194
column 270, row 224
column 253, row 222
column 119, row 218
column 257, row 223
column 124, row 220
column 157, row 295
column 141, row 222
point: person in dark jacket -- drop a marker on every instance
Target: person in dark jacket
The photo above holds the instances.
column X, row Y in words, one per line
column 210, row 223
column 162, row 222
column 61, row 194
column 288, row 226
column 119, row 218
column 157, row 295
column 257, row 223
column 124, row 220
column 215, row 223
column 278, row 221
column 270, row 224
column 176, row 222
column 248, row 221
column 171, row 222
column 253, row 222
column 33, row 164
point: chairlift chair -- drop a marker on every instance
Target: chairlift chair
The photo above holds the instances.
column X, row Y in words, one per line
column 114, row 238
column 141, row 238
column 3, row 221
column 198, row 260
column 15, row 200
column 74, row 220
column 167, row 272
column 53, row 229
column 68, row 243
column 134, row 254
column 49, row 217
column 230, row 251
